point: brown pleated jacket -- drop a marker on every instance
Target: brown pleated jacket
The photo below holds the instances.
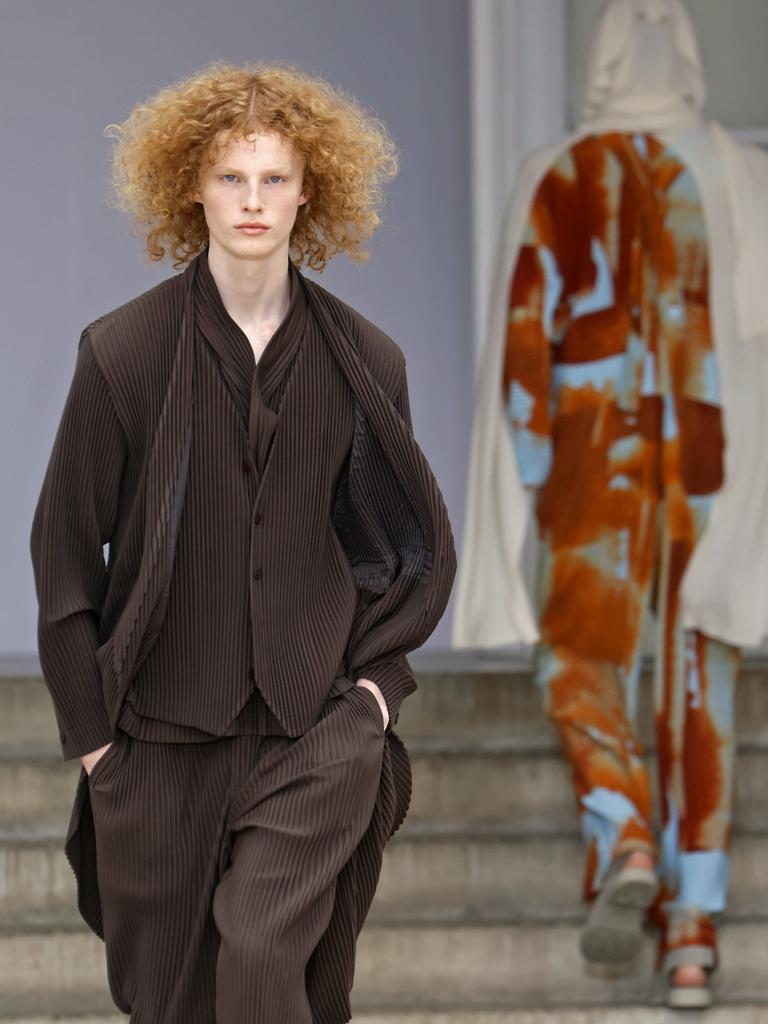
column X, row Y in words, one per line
column 316, row 547
column 340, row 543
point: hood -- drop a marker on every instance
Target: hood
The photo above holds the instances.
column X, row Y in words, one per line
column 644, row 68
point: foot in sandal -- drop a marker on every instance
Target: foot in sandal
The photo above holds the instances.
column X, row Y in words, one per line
column 613, row 931
column 688, row 958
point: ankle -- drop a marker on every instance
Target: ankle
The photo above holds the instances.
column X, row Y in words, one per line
column 640, row 859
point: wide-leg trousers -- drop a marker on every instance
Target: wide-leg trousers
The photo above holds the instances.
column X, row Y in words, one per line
column 218, row 867
column 620, row 529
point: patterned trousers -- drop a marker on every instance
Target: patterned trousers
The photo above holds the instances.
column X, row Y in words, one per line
column 616, row 535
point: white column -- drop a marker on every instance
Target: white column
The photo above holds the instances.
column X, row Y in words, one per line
column 517, row 81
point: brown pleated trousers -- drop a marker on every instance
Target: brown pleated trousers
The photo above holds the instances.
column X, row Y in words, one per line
column 218, row 864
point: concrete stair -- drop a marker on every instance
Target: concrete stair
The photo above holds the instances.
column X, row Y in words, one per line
column 477, row 913
column 623, row 1015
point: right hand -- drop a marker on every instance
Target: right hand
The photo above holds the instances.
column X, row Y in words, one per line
column 89, row 760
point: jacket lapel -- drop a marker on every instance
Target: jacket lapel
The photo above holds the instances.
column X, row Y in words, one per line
column 166, row 482
column 390, row 513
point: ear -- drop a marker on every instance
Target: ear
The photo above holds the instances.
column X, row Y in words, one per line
column 303, row 197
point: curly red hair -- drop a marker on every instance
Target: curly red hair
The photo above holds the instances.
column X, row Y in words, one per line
column 348, row 154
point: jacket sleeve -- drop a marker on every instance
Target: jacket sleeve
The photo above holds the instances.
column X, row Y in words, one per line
column 74, row 517
column 534, row 324
column 394, row 676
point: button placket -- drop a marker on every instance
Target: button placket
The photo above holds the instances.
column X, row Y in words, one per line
column 257, row 571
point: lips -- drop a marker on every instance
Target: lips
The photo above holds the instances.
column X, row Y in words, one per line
column 255, row 224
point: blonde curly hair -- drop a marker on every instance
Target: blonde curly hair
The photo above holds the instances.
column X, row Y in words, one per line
column 348, row 154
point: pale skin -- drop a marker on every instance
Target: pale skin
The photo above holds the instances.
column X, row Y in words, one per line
column 254, row 179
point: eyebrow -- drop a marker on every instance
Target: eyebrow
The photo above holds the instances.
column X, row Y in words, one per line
column 236, row 170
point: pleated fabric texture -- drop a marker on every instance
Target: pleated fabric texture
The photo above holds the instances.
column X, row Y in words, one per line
column 235, row 875
column 341, row 541
column 262, row 557
column 210, row 582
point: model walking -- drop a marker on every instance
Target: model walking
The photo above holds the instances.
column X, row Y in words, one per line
column 622, row 402
column 277, row 545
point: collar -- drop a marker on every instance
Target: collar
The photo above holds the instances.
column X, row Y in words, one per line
column 252, row 380
column 257, row 387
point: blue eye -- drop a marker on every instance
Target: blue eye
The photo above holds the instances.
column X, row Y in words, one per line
column 272, row 177
column 229, row 175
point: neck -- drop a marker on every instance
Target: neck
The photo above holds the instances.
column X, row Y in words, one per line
column 254, row 292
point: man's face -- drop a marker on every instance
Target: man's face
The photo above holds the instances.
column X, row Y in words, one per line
column 258, row 179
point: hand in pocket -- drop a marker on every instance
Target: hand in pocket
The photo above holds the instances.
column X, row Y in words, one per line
column 89, row 761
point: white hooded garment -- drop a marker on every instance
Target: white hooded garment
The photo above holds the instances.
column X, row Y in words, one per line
column 644, row 73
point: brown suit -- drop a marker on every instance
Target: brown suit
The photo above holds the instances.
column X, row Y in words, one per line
column 342, row 550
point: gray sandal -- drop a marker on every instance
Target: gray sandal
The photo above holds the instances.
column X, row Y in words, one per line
column 613, row 931
column 689, row 997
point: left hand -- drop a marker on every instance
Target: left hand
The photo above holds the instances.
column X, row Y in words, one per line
column 370, row 685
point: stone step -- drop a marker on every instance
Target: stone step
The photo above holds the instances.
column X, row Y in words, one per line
column 528, row 786
column 605, row 1015
column 456, row 874
column 406, row 966
column 449, row 874
column 521, row 782
column 498, row 700
column 618, row 1015
column 529, row 966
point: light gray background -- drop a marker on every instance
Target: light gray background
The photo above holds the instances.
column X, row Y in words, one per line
column 69, row 68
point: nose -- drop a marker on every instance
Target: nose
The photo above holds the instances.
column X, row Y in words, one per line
column 253, row 200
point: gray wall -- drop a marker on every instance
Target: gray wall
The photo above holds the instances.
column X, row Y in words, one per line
column 69, row 68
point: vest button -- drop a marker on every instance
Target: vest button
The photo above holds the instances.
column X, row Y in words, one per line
column 257, row 517
column 246, row 466
column 257, row 573
column 252, row 674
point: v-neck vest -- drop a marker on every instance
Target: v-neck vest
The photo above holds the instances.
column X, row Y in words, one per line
column 237, row 410
column 257, row 387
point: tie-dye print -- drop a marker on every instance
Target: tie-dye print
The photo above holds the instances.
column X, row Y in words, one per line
column 611, row 390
